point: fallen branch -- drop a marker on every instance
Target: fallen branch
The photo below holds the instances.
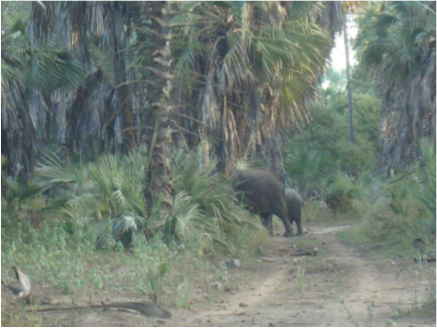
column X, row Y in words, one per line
column 150, row 310
column 312, row 252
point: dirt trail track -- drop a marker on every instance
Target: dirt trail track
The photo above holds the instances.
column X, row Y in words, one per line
column 270, row 296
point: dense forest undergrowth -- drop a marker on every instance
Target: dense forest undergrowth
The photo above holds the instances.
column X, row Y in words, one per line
column 50, row 229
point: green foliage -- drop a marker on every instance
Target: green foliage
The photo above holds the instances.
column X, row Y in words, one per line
column 26, row 64
column 362, row 83
column 423, row 186
column 391, row 37
column 334, row 82
column 321, row 159
column 427, row 195
column 341, row 190
column 403, row 209
column 307, row 168
column 108, row 196
column 248, row 52
column 52, row 233
column 391, row 224
column 211, row 206
column 366, row 114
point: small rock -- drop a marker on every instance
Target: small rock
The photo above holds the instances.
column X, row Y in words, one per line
column 243, row 304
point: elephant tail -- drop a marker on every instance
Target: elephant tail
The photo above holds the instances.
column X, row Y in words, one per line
column 306, row 216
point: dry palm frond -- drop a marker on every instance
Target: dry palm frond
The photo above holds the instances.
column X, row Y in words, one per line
column 256, row 67
column 397, row 45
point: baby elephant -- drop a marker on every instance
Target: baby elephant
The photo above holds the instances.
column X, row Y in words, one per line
column 294, row 207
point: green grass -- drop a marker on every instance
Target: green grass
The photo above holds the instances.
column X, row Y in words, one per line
column 70, row 242
column 427, row 308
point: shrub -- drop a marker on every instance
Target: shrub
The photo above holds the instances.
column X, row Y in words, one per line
column 340, row 191
column 423, row 185
column 107, row 195
column 315, row 158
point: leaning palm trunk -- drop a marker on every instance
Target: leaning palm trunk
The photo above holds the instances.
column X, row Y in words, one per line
column 159, row 185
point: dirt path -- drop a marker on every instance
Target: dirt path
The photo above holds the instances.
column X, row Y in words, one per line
column 339, row 288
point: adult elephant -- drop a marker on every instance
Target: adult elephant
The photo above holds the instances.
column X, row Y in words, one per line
column 294, row 209
column 263, row 191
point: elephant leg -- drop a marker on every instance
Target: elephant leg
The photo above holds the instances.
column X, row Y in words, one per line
column 299, row 222
column 267, row 222
column 280, row 210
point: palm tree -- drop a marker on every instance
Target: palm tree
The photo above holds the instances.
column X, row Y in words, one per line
column 101, row 114
column 396, row 44
column 29, row 71
column 159, row 190
column 100, row 35
column 243, row 76
column 247, row 72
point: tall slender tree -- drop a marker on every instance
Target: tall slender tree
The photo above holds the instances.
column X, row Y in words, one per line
column 159, row 189
column 349, row 85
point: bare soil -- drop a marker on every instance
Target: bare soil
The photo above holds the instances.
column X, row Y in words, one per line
column 342, row 286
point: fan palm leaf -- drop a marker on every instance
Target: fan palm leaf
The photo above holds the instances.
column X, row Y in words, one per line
column 396, row 44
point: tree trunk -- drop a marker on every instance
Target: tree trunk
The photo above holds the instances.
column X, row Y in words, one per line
column 118, row 52
column 159, row 184
column 349, row 87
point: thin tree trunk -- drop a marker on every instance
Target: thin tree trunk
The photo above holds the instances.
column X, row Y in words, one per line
column 123, row 99
column 349, row 87
column 159, row 184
